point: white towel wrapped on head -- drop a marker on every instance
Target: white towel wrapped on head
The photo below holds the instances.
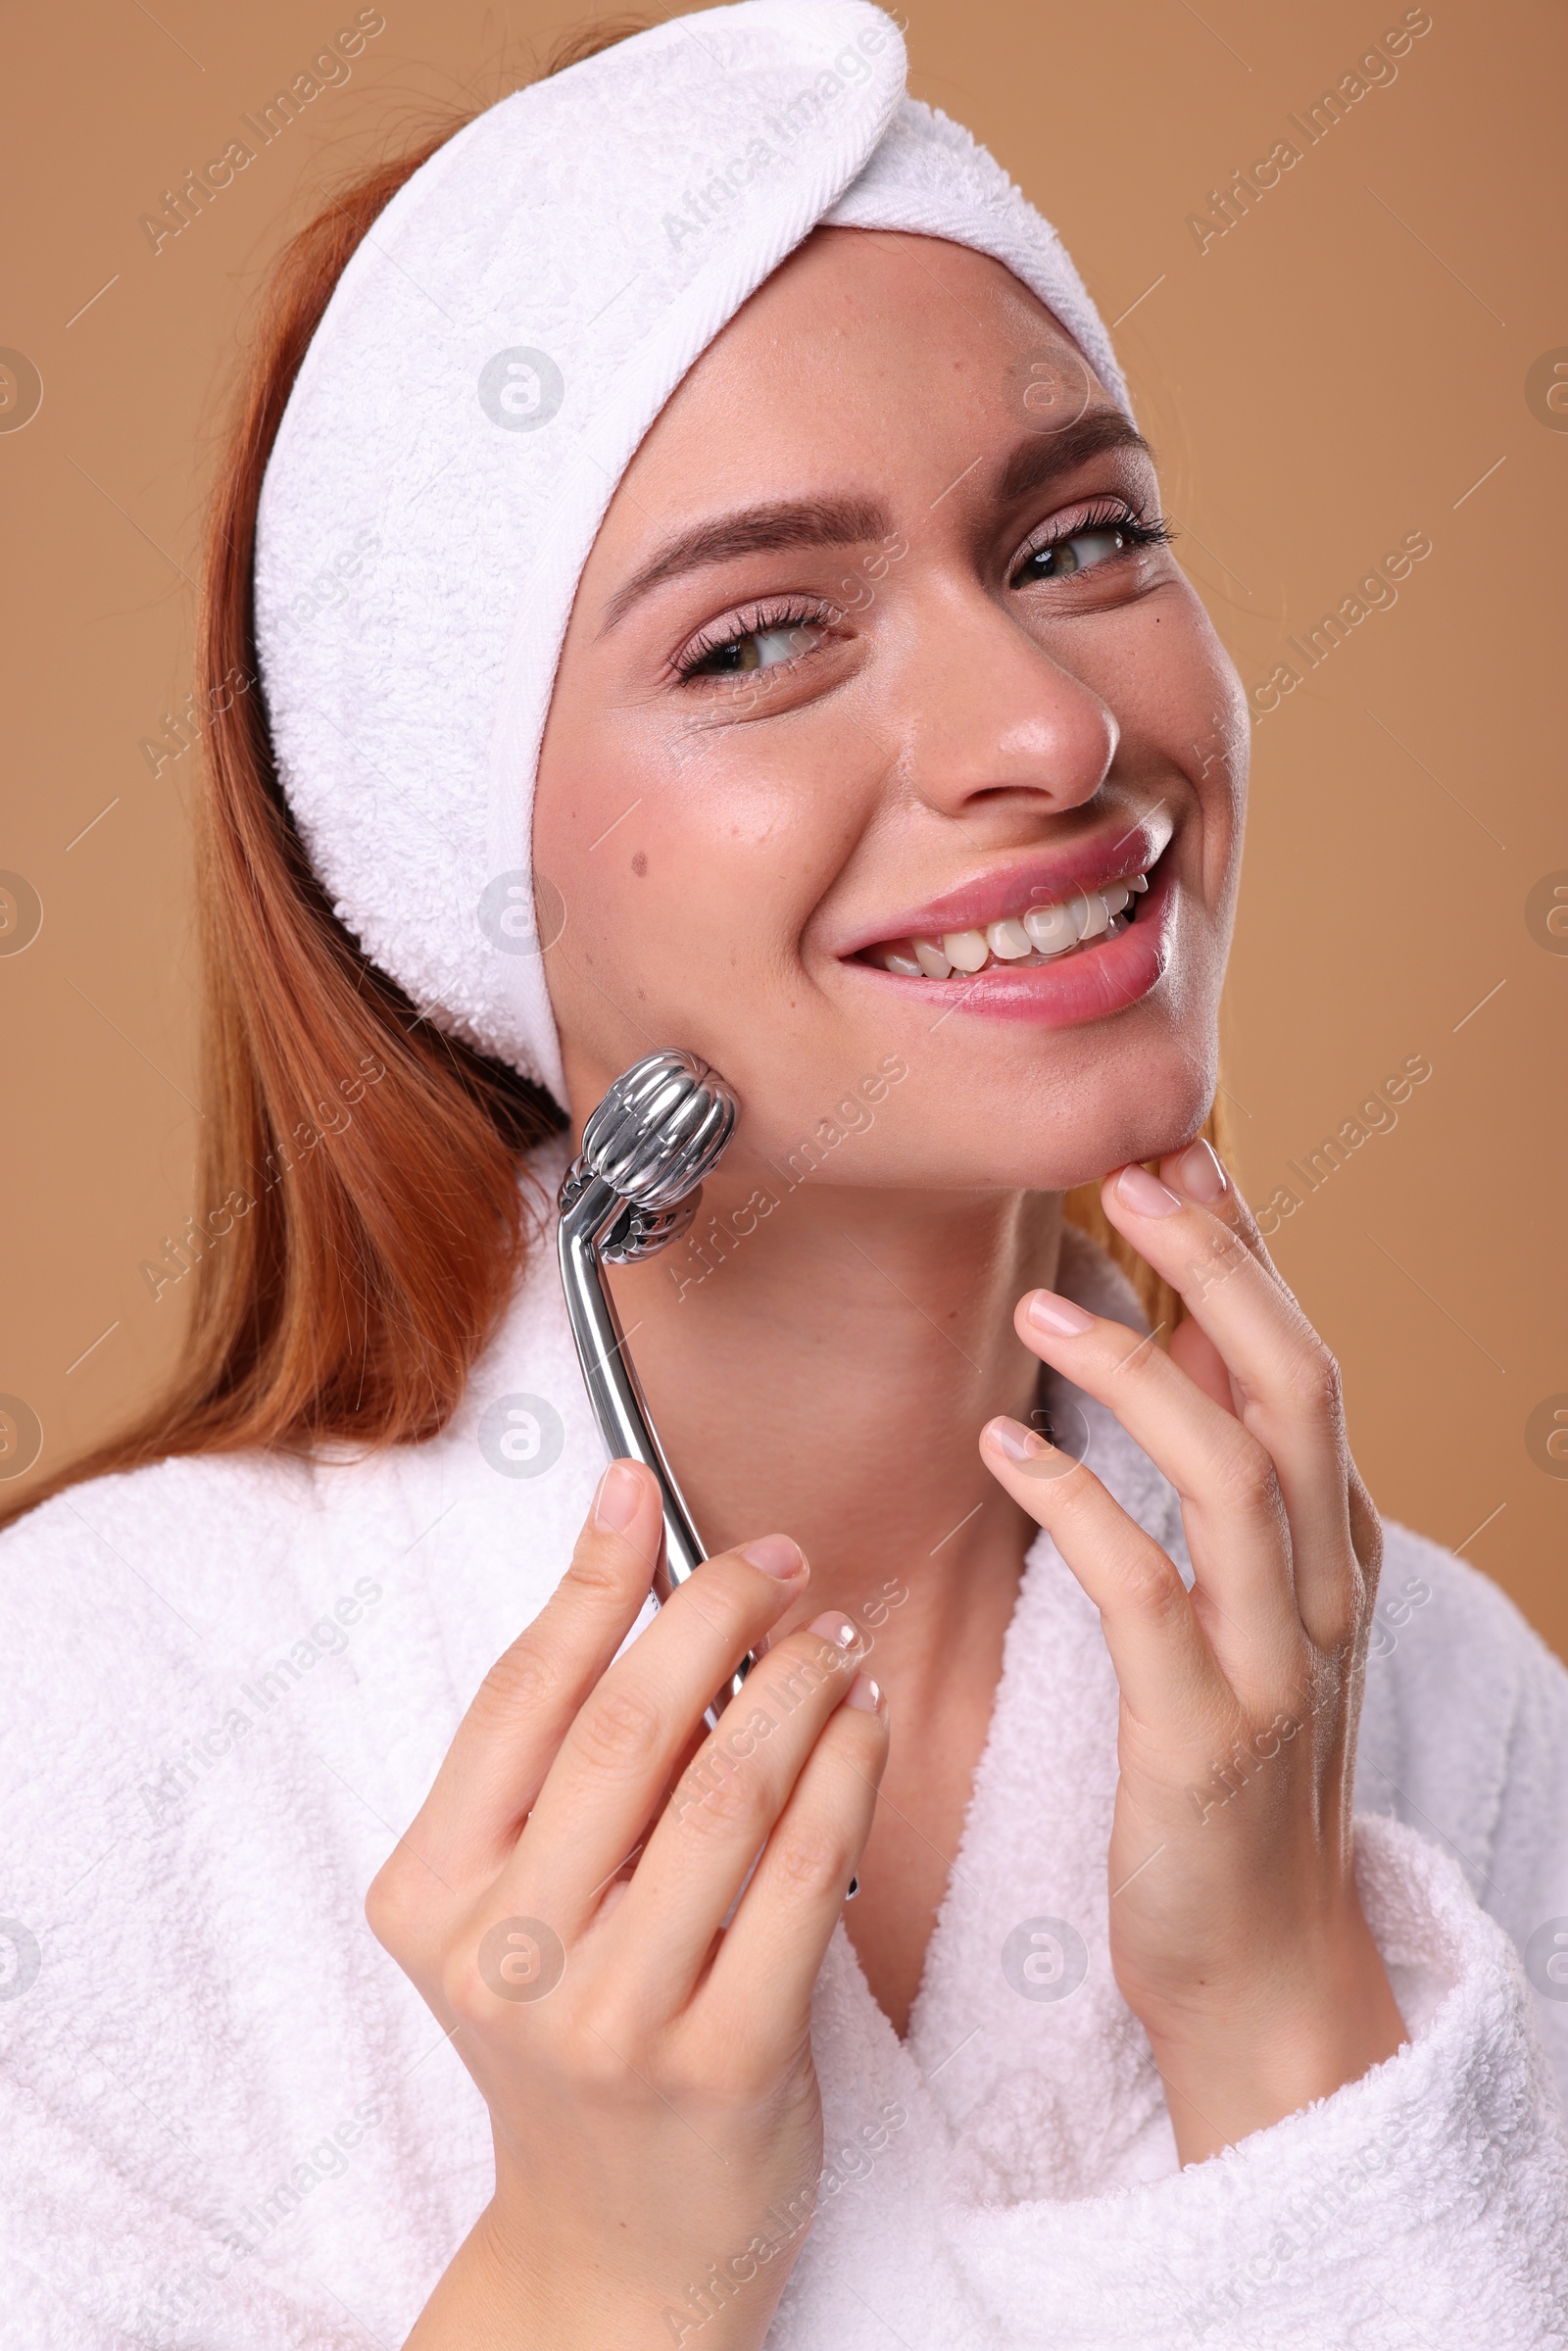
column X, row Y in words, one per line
column 493, row 355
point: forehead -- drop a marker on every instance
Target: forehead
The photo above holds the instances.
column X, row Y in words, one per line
column 840, row 277
column 861, row 342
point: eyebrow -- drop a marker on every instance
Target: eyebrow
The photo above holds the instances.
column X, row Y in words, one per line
column 1037, row 461
column 756, row 530
column 1041, row 458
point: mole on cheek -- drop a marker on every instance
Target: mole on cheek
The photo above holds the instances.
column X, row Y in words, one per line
column 639, row 864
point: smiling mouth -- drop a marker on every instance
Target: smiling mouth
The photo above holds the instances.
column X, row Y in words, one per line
column 1019, row 942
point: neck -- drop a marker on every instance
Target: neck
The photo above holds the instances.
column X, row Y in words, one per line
column 829, row 1375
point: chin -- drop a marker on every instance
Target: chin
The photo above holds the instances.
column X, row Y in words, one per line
column 1113, row 1091
column 1033, row 1131
column 1149, row 1097
column 1055, row 1156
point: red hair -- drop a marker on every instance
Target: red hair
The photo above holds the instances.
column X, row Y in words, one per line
column 364, row 1174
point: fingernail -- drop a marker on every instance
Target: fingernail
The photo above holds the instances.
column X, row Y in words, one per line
column 776, row 1555
column 863, row 1694
column 616, row 1503
column 834, row 1625
column 1199, row 1173
column 1143, row 1193
column 1030, row 1454
column 1012, row 1438
column 1048, row 1312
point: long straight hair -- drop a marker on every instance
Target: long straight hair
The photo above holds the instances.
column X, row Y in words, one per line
column 366, row 1207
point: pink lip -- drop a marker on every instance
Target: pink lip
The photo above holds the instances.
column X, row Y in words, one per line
column 1087, row 985
column 1042, row 881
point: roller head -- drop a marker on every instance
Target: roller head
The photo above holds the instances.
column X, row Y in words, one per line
column 665, row 1124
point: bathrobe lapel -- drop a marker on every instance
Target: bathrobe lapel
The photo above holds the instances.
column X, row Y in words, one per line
column 1023, row 2074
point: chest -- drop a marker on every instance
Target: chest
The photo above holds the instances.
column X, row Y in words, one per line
column 912, row 1851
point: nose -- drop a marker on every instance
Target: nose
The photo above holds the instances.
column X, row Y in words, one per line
column 993, row 725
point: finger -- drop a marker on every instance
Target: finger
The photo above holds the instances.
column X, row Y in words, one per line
column 1192, row 1347
column 727, row 1802
column 1366, row 1532
column 1167, row 1671
column 509, row 1738
column 617, row 1755
column 758, row 1995
column 1286, row 1379
column 1231, row 1504
column 1199, row 1174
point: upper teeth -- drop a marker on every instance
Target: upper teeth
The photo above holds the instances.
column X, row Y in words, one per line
column 1034, row 936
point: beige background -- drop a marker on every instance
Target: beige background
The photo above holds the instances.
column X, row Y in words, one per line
column 1347, row 364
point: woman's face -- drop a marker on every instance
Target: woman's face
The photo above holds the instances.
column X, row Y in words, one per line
column 879, row 668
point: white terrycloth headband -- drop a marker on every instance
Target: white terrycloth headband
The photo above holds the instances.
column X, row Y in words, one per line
column 492, row 356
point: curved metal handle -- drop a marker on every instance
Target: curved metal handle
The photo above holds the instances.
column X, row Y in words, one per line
column 590, row 1210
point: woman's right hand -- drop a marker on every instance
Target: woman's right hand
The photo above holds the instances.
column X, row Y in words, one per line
column 559, row 1904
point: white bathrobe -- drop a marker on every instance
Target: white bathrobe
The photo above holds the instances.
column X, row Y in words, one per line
column 226, row 2118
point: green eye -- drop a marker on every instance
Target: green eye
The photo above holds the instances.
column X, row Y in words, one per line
column 1079, row 553
column 768, row 648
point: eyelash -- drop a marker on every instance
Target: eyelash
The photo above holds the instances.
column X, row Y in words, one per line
column 755, row 621
column 1106, row 513
column 795, row 612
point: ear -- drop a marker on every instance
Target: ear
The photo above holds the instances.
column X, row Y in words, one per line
column 1193, row 1352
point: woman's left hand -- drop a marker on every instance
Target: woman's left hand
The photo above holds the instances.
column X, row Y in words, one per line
column 1235, row 1931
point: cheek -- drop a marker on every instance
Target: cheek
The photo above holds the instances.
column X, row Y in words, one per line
column 718, row 854
column 1179, row 695
column 1180, row 708
column 1185, row 682
column 688, row 879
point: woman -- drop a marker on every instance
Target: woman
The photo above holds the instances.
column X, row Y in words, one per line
column 710, row 590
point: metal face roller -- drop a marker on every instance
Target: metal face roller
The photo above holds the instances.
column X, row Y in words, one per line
column 633, row 1188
